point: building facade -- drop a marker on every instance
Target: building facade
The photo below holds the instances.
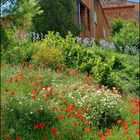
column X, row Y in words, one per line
column 123, row 12
column 92, row 19
column 123, row 9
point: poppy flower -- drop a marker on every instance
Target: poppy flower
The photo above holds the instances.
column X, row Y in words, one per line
column 138, row 132
column 126, row 125
column 33, row 91
column 61, row 117
column 44, row 138
column 13, row 92
column 80, row 116
column 119, row 122
column 58, row 77
column 135, row 122
column 53, row 108
column 36, row 126
column 86, row 123
column 60, row 109
column 76, row 124
column 99, row 133
column 74, row 88
column 42, row 125
column 33, row 97
column 18, row 138
column 87, row 131
column 8, row 138
column 103, row 138
column 54, row 132
column 10, row 80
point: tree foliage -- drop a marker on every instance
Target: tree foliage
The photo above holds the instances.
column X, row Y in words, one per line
column 17, row 20
column 58, row 16
column 127, row 38
column 116, row 26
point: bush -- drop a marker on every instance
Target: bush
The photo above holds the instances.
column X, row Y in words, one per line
column 116, row 26
column 7, row 39
column 45, row 54
column 19, row 53
column 127, row 39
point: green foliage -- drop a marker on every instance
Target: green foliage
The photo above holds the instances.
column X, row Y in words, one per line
column 45, row 54
column 116, row 26
column 36, row 99
column 58, row 16
column 107, row 66
column 21, row 52
column 21, row 13
column 127, row 39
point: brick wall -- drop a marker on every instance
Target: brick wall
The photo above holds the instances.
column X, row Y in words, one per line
column 91, row 29
column 124, row 12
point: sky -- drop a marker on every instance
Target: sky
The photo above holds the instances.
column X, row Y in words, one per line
column 134, row 0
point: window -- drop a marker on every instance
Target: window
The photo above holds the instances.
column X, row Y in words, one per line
column 104, row 32
column 95, row 17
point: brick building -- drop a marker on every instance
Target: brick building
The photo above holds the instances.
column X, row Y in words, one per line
column 123, row 12
column 114, row 9
column 91, row 17
column 136, row 10
column 113, row 3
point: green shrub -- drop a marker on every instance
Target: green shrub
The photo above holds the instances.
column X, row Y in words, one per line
column 7, row 39
column 127, row 39
column 116, row 26
column 19, row 53
column 45, row 54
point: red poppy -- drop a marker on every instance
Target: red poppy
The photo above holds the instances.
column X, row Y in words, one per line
column 54, row 132
column 36, row 126
column 74, row 88
column 53, row 108
column 33, row 91
column 56, row 93
column 60, row 98
column 13, row 92
column 103, row 138
column 60, row 109
column 18, row 138
column 138, row 132
column 135, row 122
column 80, row 116
column 99, row 133
column 8, row 138
column 119, row 122
column 123, row 135
column 61, row 117
column 76, row 124
column 10, row 80
column 87, row 131
column 58, row 77
column 110, row 130
column 86, row 123
column 68, row 86
column 126, row 125
column 45, row 137
column 42, row 125
column 63, row 91
column 33, row 97
column 51, row 77
column 137, row 104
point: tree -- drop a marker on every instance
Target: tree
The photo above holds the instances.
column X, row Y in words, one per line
column 21, row 12
column 19, row 19
column 58, row 16
column 116, row 26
